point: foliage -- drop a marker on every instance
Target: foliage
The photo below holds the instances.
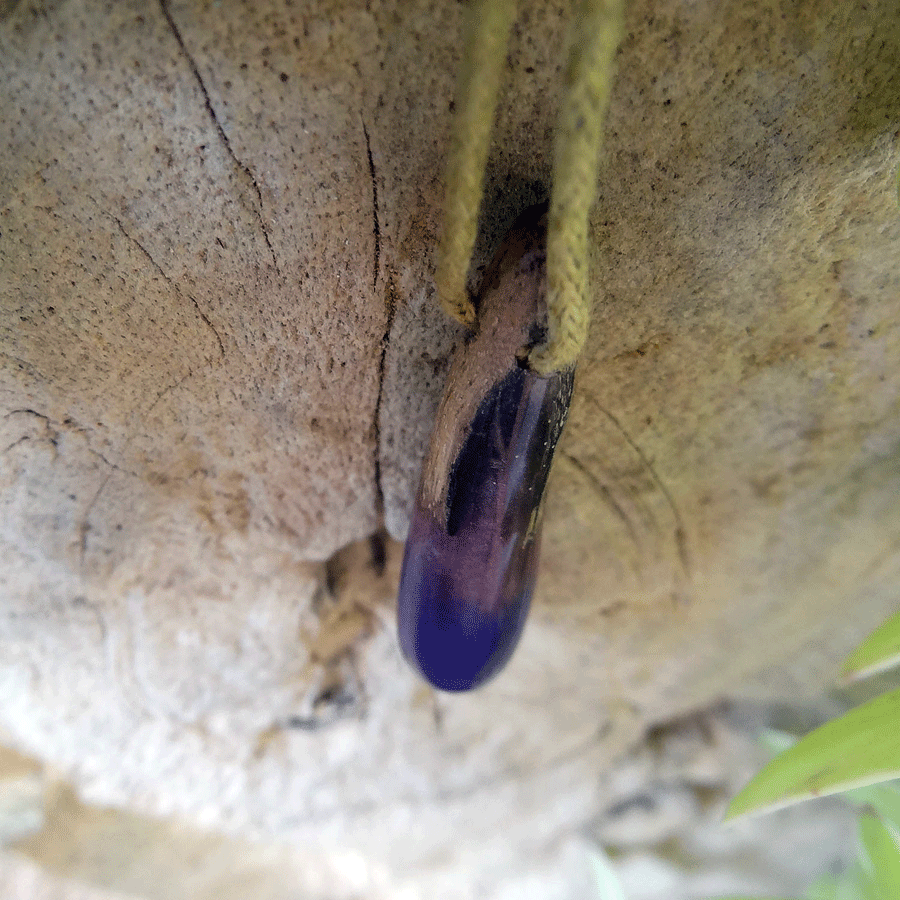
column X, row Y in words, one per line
column 857, row 755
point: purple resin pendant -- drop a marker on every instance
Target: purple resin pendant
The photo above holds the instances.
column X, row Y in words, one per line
column 472, row 552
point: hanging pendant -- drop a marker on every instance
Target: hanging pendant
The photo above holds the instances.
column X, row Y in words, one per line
column 472, row 552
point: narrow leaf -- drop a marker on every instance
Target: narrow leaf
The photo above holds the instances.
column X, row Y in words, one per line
column 881, row 846
column 857, row 749
column 825, row 888
column 878, row 652
column 608, row 885
column 883, row 798
column 856, row 884
column 865, row 883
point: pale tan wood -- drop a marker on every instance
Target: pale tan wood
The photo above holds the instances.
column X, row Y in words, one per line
column 220, row 360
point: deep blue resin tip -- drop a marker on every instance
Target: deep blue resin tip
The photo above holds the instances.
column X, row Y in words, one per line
column 470, row 565
column 472, row 551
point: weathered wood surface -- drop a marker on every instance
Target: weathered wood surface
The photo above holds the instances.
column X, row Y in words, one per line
column 221, row 356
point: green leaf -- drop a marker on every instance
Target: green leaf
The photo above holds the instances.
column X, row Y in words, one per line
column 864, row 883
column 878, row 652
column 608, row 885
column 829, row 887
column 823, row 889
column 883, row 798
column 880, row 858
column 857, row 749
column 855, row 885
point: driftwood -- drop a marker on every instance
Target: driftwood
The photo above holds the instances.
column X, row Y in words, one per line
column 220, row 358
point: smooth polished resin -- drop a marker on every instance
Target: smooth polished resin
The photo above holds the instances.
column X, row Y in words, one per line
column 471, row 560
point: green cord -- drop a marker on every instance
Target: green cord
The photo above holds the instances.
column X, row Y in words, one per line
column 597, row 29
column 589, row 76
column 483, row 62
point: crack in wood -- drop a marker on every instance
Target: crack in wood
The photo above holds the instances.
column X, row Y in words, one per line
column 85, row 525
column 207, row 102
column 606, row 495
column 391, row 305
column 679, row 533
column 376, row 228
column 172, row 284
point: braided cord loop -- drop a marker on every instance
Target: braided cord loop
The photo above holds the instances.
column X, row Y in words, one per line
column 597, row 30
column 484, row 59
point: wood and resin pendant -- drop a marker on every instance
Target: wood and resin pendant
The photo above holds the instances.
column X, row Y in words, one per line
column 471, row 557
